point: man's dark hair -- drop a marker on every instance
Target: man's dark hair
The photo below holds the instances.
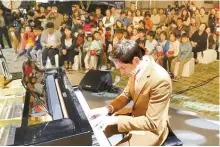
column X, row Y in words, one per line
column 179, row 18
column 184, row 35
column 98, row 8
column 141, row 31
column 96, row 32
column 108, row 29
column 50, row 25
column 119, row 31
column 92, row 26
column 31, row 13
column 39, row 28
column 123, row 12
column 89, row 36
column 125, row 51
column 151, row 33
column 142, row 21
column 80, row 28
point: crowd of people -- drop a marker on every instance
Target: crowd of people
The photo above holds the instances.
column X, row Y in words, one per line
column 168, row 35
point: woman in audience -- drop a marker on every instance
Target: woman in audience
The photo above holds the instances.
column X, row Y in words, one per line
column 101, row 25
column 68, row 45
column 130, row 29
column 137, row 18
column 211, row 41
column 119, row 25
column 134, row 34
column 108, row 20
column 184, row 55
column 172, row 17
column 186, row 17
column 192, row 27
column 199, row 41
column 130, row 17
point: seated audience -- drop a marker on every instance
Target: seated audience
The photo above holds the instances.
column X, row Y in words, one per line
column 184, row 55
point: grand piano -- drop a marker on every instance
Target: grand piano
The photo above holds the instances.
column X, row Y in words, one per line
column 63, row 120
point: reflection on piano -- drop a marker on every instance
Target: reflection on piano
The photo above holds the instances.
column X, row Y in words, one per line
column 65, row 123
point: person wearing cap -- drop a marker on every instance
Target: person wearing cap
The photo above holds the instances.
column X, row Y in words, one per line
column 149, row 87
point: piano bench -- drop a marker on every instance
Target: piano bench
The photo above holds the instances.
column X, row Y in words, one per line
column 172, row 140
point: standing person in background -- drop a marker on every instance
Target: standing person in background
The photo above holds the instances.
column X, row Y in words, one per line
column 211, row 21
column 133, row 8
column 172, row 17
column 124, row 19
column 137, row 18
column 129, row 17
column 114, row 14
column 199, row 41
column 108, row 20
column 155, row 18
column 186, row 17
column 4, row 30
column 55, row 17
column 98, row 15
column 203, row 17
column 163, row 17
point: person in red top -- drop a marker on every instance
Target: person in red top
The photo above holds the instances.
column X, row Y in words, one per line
column 148, row 22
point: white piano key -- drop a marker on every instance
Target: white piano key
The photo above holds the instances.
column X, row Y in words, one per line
column 100, row 136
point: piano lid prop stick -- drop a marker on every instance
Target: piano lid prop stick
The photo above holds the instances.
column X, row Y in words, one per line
column 65, row 114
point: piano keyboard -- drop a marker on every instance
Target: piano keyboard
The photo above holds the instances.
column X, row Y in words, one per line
column 98, row 138
column 7, row 135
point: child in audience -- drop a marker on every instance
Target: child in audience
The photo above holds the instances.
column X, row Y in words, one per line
column 172, row 51
column 37, row 49
column 141, row 41
column 119, row 35
column 157, row 35
column 14, row 36
column 86, row 48
column 135, row 35
column 150, row 44
column 184, row 55
column 108, row 46
column 29, row 39
column 164, row 46
column 95, row 50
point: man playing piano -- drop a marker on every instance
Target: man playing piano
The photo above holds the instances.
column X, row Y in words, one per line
column 149, row 87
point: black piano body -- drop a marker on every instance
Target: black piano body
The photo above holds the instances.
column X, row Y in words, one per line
column 72, row 131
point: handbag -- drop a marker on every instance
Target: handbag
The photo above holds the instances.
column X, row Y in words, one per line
column 92, row 52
